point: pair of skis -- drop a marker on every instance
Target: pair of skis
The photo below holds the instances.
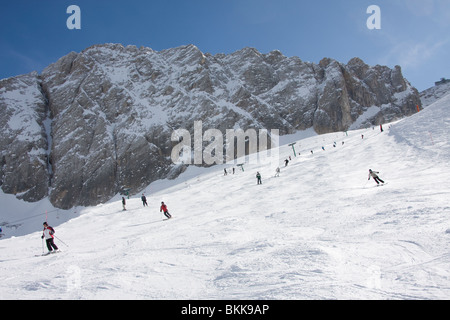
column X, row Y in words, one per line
column 48, row 253
column 381, row 184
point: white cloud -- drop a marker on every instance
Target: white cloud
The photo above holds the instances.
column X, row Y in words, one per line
column 420, row 7
column 412, row 54
column 436, row 10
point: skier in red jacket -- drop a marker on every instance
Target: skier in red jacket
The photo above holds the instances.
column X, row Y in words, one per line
column 165, row 210
column 48, row 235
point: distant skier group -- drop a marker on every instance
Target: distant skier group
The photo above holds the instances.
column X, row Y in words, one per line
column 373, row 174
column 163, row 207
column 48, row 232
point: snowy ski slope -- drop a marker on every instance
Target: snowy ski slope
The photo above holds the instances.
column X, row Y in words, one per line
column 320, row 230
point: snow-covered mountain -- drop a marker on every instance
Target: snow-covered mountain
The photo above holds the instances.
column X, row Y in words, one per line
column 101, row 120
column 320, row 230
column 431, row 95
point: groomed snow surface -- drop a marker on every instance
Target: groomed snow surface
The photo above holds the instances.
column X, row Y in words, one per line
column 320, row 230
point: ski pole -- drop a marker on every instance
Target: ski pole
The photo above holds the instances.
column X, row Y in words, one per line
column 365, row 184
column 61, row 241
column 42, row 245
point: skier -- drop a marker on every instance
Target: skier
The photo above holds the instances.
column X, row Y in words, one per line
column 48, row 235
column 277, row 172
column 258, row 177
column 166, row 212
column 144, row 200
column 224, row 171
column 375, row 177
column 381, row 128
column 286, row 162
column 123, row 203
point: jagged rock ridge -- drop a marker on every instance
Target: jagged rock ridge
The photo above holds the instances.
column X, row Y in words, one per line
column 99, row 120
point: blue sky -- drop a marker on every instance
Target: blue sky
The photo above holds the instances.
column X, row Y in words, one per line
column 414, row 34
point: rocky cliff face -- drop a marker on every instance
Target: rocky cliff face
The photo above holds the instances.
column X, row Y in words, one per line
column 99, row 120
column 24, row 146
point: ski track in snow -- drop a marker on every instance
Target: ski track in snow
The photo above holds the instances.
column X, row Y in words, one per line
column 318, row 231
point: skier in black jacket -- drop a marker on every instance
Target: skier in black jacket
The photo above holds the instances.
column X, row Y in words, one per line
column 258, row 178
column 144, row 200
column 123, row 203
